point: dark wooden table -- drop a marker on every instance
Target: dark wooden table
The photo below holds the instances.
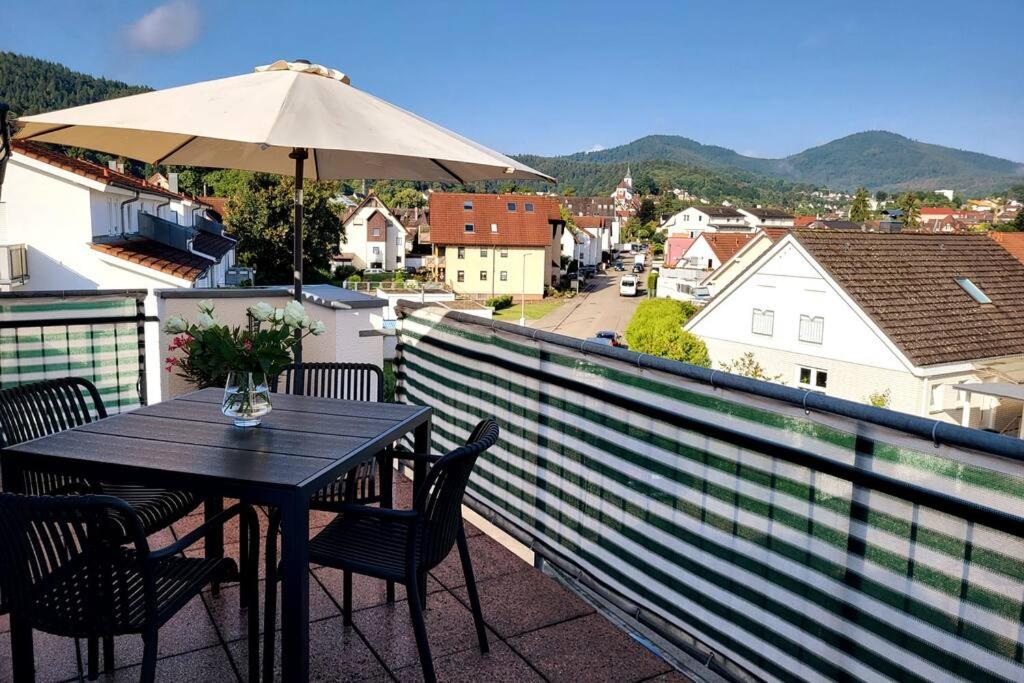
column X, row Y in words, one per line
column 186, row 443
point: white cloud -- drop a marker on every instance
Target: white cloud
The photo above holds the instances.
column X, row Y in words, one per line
column 169, row 27
column 596, row 148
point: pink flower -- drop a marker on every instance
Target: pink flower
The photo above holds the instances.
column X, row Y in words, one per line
column 247, row 344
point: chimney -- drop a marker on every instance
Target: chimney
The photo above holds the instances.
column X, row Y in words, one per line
column 172, row 182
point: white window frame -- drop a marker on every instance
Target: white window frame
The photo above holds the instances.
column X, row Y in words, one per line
column 808, row 325
column 767, row 319
column 813, row 384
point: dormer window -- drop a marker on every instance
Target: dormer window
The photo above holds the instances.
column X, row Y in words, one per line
column 511, row 207
column 469, row 227
column 973, row 290
column 528, row 207
column 467, row 205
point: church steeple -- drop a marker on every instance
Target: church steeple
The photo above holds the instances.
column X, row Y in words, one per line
column 629, row 178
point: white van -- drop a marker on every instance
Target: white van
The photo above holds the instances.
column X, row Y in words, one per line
column 627, row 285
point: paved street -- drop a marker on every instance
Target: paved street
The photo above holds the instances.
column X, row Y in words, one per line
column 598, row 308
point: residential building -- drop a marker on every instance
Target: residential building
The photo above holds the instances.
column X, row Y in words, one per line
column 767, row 217
column 707, row 253
column 1013, row 242
column 606, row 230
column 803, row 220
column 949, row 225
column 372, row 237
column 486, row 245
column 675, row 247
column 875, row 316
column 695, row 220
column 589, row 206
column 933, row 213
column 623, row 196
column 582, row 246
column 719, row 278
column 71, row 224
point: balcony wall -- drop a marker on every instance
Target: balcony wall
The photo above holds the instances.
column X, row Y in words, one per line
column 776, row 533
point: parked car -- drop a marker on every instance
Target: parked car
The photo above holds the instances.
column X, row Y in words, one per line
column 620, row 266
column 701, row 295
column 588, row 271
column 412, row 270
column 628, row 285
column 638, row 267
column 374, row 271
column 610, row 335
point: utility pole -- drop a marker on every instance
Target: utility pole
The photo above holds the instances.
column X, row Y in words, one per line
column 522, row 297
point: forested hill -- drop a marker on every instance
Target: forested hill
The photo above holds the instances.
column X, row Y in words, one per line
column 31, row 85
column 872, row 159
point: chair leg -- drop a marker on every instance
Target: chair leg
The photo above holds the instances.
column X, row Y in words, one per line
column 250, row 586
column 150, row 640
column 419, row 627
column 270, row 608
column 93, row 656
column 346, row 596
column 474, row 598
column 387, row 500
column 422, row 586
column 244, row 531
column 108, row 654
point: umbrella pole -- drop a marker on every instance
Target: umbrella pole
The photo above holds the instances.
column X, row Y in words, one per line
column 299, row 154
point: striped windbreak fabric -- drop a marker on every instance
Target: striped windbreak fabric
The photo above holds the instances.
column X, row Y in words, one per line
column 41, row 338
column 779, row 568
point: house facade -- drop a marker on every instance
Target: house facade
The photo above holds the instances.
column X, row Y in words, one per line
column 73, row 224
column 695, row 220
column 703, row 257
column 899, row 318
column 372, row 236
column 487, row 245
column 767, row 217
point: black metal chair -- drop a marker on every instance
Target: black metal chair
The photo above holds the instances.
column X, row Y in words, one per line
column 403, row 545
column 38, row 409
column 70, row 575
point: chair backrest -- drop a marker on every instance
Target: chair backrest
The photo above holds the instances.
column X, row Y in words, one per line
column 344, row 381
column 439, row 499
column 30, row 411
column 73, row 541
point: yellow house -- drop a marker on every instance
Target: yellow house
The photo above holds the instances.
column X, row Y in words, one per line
column 489, row 245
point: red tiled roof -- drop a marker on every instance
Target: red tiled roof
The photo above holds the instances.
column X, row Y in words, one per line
column 1012, row 242
column 906, row 283
column 775, row 234
column 519, row 228
column 803, row 221
column 218, row 204
column 725, row 244
column 590, row 221
column 87, row 169
column 151, row 254
column 935, row 211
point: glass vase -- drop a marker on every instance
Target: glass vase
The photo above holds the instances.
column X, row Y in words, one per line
column 246, row 398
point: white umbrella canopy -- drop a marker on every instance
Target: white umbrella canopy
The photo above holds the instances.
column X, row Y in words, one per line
column 255, row 121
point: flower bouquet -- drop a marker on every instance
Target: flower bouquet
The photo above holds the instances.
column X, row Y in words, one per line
column 242, row 360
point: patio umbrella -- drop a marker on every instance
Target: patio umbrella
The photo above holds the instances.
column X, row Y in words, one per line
column 288, row 118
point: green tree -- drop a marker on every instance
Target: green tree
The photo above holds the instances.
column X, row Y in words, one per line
column 669, row 205
column 407, row 198
column 657, row 328
column 879, row 399
column 748, row 366
column 260, row 216
column 911, row 207
column 860, row 211
column 647, row 212
column 568, row 191
column 652, row 284
column 881, row 196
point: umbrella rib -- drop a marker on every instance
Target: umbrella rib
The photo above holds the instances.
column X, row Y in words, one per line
column 174, row 151
column 316, row 165
column 449, row 172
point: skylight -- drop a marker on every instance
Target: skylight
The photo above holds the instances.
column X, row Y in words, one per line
column 974, row 290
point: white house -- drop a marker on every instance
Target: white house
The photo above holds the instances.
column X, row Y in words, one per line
column 582, row 246
column 73, row 224
column 761, row 217
column 704, row 256
column 695, row 220
column 372, row 237
column 895, row 318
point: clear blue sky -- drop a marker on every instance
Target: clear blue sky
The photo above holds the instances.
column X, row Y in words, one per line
column 550, row 77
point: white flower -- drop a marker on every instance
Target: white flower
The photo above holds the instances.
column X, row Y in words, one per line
column 206, row 306
column 175, row 325
column 261, row 311
column 205, row 321
column 317, row 328
column 294, row 313
column 278, row 314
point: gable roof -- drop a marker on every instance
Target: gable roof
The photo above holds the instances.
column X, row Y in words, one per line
column 591, row 222
column 348, row 215
column 775, row 234
column 151, row 254
column 95, row 172
column 1013, row 242
column 726, row 244
column 765, row 213
column 719, row 211
column 906, row 283
column 804, row 220
column 519, row 228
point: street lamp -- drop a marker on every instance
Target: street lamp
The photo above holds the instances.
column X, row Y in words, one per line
column 522, row 297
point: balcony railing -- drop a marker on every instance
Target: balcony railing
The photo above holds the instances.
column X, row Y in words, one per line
column 771, row 531
column 13, row 264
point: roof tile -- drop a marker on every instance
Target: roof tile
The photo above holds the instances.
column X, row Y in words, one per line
column 519, row 228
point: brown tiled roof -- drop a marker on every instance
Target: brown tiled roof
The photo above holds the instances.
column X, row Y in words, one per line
column 592, row 222
column 775, row 234
column 1012, row 242
column 517, row 228
column 212, row 245
column 151, row 254
column 765, row 213
column 725, row 244
column 906, row 283
column 87, row 169
column 218, row 204
column 804, row 221
column 719, row 211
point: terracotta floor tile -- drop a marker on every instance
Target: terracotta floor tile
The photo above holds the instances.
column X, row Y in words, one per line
column 589, row 648
column 490, row 559
column 232, row 622
column 211, row 664
column 191, row 629
column 500, row 665
column 524, row 601
column 366, row 591
column 388, row 629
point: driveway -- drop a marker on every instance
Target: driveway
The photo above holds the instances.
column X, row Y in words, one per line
column 598, row 307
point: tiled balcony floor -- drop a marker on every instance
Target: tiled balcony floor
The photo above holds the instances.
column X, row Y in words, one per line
column 538, row 630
